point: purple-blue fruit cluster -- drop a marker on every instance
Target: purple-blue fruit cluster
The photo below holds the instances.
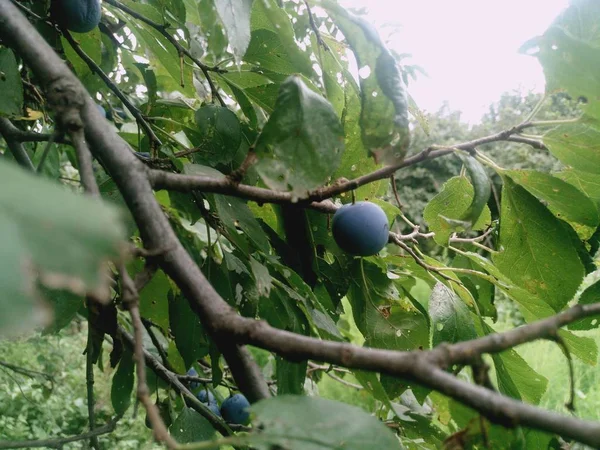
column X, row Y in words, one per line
column 80, row 16
column 236, row 409
column 360, row 229
column 205, row 396
column 193, row 384
column 215, row 409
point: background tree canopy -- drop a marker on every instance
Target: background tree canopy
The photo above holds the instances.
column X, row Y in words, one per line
column 171, row 170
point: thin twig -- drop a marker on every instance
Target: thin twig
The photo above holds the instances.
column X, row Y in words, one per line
column 27, row 372
column 481, row 237
column 154, row 140
column 173, row 380
column 46, row 152
column 184, row 183
column 60, row 442
column 162, row 29
column 535, row 143
column 84, row 159
column 89, row 377
column 238, row 174
column 394, row 238
column 14, row 145
column 157, row 344
column 562, row 344
column 131, row 302
column 314, row 27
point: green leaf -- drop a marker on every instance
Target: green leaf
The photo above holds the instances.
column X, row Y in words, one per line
column 11, row 86
column 281, row 311
column 264, row 96
column 190, row 426
column 355, row 160
column 268, row 16
column 189, row 335
column 154, row 300
column 586, row 182
column 235, row 15
column 244, row 102
column 192, row 12
column 234, row 212
column 531, row 307
column 267, row 52
column 580, row 20
column 262, row 278
column 166, row 60
column 122, row 384
column 175, row 359
column 370, row 381
column 65, row 306
column 564, row 200
column 576, row 145
column 481, row 186
column 450, row 318
column 531, row 239
column 589, row 296
column 384, row 114
column 572, row 64
column 301, row 144
column 482, row 290
column 331, row 67
column 85, row 233
column 290, row 376
column 584, row 348
column 91, row 44
column 382, row 317
column 515, row 377
column 310, row 423
column 452, row 202
column 219, row 135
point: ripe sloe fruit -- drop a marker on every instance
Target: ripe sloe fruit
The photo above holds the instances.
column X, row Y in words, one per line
column 80, row 16
column 205, row 396
column 235, row 409
column 193, row 384
column 360, row 229
column 215, row 409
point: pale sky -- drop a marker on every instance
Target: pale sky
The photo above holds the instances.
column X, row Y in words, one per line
column 468, row 47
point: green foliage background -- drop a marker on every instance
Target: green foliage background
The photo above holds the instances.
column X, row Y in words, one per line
column 284, row 94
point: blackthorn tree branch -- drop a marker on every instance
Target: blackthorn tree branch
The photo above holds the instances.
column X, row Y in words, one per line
column 177, row 182
column 130, row 298
column 130, row 176
column 173, row 380
column 231, row 332
column 14, row 144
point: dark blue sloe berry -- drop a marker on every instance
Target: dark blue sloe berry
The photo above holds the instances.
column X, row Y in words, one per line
column 235, row 409
column 360, row 229
column 215, row 409
column 192, row 373
column 80, row 16
column 205, row 396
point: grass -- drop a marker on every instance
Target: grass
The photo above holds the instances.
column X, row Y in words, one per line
column 547, row 359
column 35, row 409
